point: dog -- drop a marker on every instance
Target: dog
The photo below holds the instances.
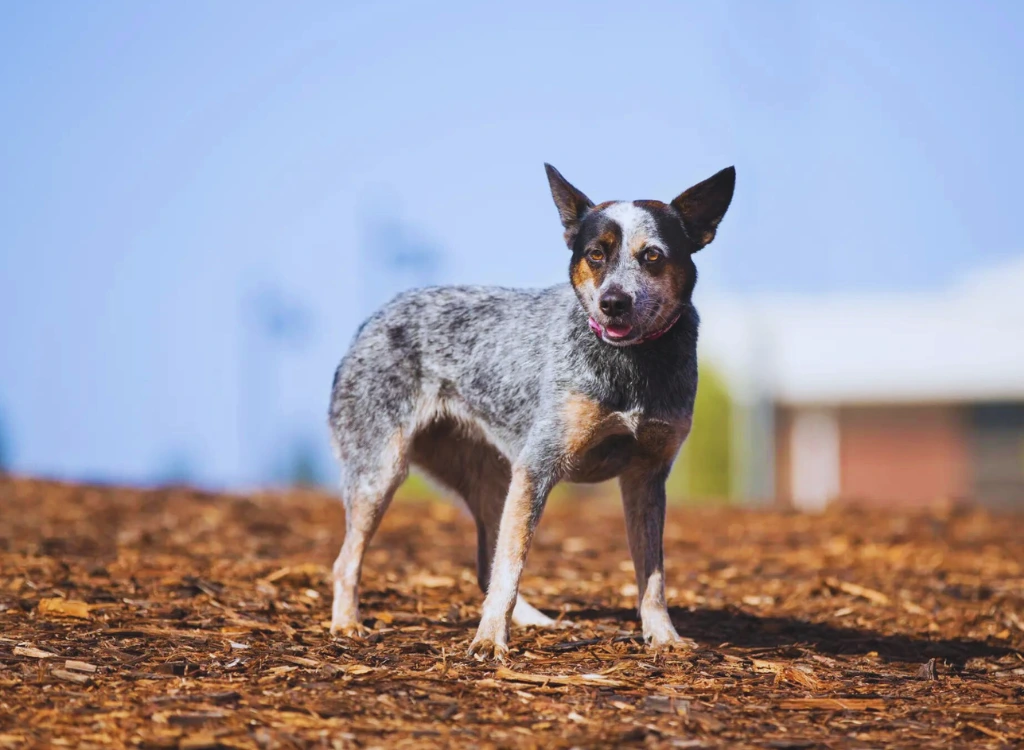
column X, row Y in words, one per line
column 498, row 394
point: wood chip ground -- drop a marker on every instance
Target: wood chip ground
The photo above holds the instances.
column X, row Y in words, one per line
column 177, row 619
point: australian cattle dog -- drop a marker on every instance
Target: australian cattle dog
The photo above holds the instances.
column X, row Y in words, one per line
column 499, row 394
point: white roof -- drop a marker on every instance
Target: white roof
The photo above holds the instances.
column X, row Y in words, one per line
column 964, row 343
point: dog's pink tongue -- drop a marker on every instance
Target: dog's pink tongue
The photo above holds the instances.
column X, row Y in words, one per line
column 618, row 332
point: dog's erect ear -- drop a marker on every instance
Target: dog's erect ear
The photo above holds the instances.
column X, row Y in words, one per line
column 703, row 206
column 571, row 203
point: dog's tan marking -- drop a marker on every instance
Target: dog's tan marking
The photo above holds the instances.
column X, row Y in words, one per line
column 609, row 239
column 518, row 503
column 678, row 279
column 586, row 423
column 660, row 441
column 582, row 417
column 637, row 242
column 583, row 275
column 671, row 279
column 650, row 204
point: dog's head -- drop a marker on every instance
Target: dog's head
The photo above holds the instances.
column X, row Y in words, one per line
column 631, row 265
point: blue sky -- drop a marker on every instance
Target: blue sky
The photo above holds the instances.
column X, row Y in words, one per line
column 162, row 164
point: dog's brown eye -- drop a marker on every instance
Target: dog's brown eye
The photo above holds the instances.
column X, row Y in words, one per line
column 596, row 255
column 651, row 255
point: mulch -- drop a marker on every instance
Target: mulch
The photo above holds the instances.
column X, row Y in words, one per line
column 179, row 619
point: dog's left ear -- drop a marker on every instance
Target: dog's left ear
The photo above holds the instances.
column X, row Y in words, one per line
column 703, row 206
column 571, row 203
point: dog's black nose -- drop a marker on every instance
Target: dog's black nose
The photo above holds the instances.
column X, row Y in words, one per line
column 615, row 302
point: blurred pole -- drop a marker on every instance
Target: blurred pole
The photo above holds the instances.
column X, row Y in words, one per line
column 394, row 258
column 755, row 429
column 270, row 326
column 4, row 445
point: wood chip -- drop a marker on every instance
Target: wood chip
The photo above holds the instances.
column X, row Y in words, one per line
column 666, row 704
column 990, row 732
column 862, row 592
column 927, row 671
column 799, row 676
column 914, row 609
column 64, row 608
column 356, row 669
column 201, row 741
column 787, row 673
column 573, row 645
column 429, row 581
column 194, row 719
column 833, row 704
column 306, row 574
column 281, row 670
column 32, row 652
column 78, row 677
column 302, row 661
column 592, row 680
column 79, row 666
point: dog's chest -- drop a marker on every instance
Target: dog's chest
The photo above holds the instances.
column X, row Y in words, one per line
column 600, row 443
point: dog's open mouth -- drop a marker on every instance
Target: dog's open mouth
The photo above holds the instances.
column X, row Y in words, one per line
column 612, row 331
column 624, row 333
column 617, row 332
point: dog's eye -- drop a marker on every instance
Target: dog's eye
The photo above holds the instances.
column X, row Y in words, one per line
column 596, row 255
column 651, row 255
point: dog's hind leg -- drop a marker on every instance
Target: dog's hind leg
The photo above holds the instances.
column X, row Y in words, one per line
column 480, row 475
column 367, row 492
column 377, row 389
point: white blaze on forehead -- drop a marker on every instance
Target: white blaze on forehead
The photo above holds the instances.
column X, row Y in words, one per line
column 637, row 224
column 639, row 230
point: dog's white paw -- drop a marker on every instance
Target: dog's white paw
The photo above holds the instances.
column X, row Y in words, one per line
column 676, row 643
column 485, row 649
column 661, row 635
column 490, row 642
column 348, row 626
column 525, row 615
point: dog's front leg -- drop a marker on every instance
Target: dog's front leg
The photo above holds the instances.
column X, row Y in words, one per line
column 526, row 497
column 643, row 497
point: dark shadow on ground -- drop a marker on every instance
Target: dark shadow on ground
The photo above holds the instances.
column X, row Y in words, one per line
column 713, row 627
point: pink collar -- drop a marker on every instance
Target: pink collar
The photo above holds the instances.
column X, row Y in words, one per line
column 598, row 330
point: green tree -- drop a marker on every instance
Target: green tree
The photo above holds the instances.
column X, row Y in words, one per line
column 704, row 468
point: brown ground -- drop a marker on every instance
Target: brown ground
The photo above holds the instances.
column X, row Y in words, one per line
column 204, row 625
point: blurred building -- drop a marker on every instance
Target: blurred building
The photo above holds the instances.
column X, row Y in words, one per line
column 905, row 398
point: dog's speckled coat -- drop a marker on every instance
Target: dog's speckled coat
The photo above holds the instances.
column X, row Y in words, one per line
column 500, row 394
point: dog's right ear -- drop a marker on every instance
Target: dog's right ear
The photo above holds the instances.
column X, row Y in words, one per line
column 572, row 204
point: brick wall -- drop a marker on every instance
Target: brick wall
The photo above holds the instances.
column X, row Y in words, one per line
column 907, row 454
